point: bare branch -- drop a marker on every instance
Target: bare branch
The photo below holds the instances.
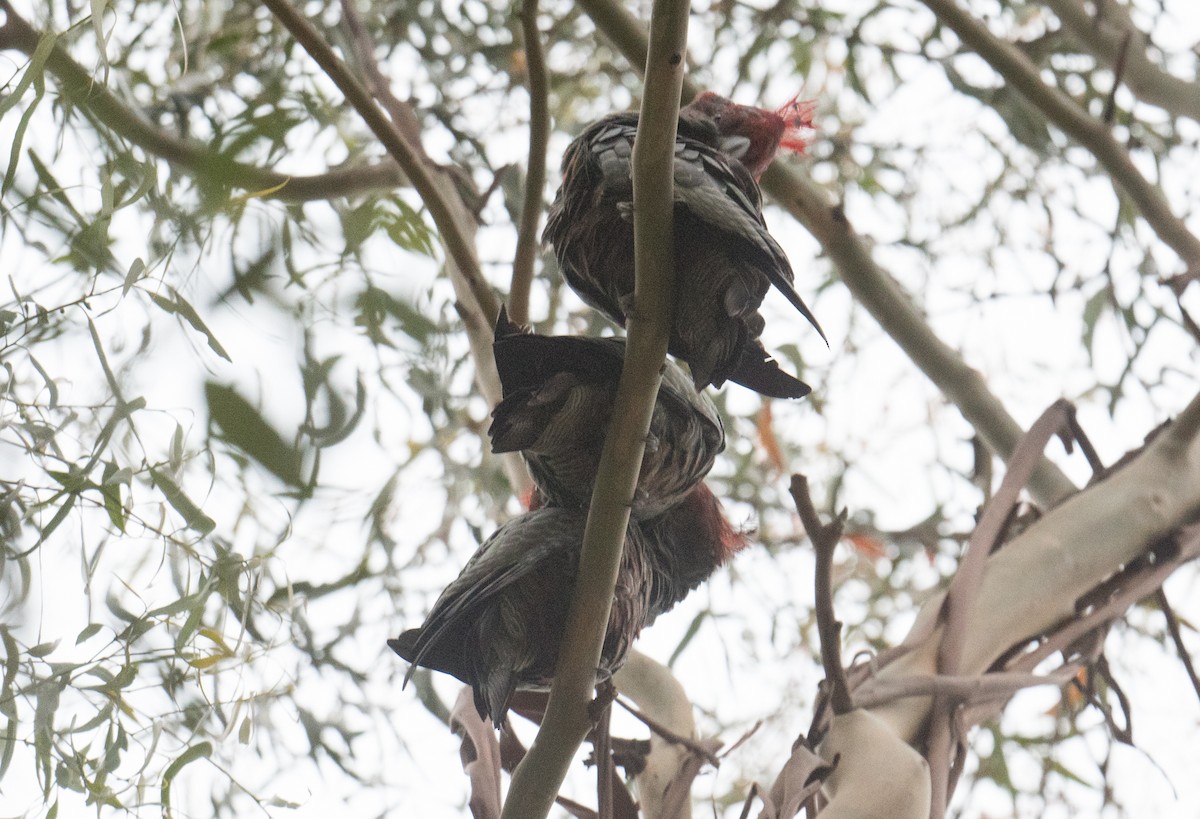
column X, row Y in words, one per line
column 363, row 48
column 701, row 749
column 475, row 304
column 661, row 698
column 1177, row 638
column 1110, row 104
column 965, row 584
column 957, row 689
column 1019, row 72
column 535, row 172
column 825, row 540
column 1139, row 584
column 542, row 771
column 1102, row 37
column 480, row 754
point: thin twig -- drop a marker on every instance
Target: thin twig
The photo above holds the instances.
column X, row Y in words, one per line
column 1177, row 638
column 1101, row 37
column 968, row 689
column 535, row 173
column 825, row 539
column 460, row 249
column 1020, row 73
column 467, row 285
column 670, row 736
column 939, row 746
column 1085, row 443
column 1110, row 105
column 602, row 752
column 965, row 585
column 363, row 47
column 1122, row 733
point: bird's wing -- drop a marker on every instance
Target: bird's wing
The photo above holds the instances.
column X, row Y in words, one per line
column 721, row 193
column 513, row 551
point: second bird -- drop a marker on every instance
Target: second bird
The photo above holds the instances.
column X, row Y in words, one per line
column 558, row 404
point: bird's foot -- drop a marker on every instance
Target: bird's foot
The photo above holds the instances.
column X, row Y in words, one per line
column 606, row 694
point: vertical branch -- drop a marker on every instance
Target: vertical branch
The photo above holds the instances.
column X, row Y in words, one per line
column 537, row 779
column 825, row 539
column 535, row 172
column 458, row 246
column 475, row 303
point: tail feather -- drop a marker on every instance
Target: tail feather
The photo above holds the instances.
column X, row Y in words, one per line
column 784, row 286
column 759, row 372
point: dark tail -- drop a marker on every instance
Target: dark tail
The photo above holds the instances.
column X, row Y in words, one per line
column 759, row 372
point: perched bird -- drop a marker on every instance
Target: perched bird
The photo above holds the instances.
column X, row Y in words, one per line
column 499, row 624
column 558, row 402
column 725, row 260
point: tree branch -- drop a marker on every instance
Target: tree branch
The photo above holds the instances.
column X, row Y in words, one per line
column 477, row 316
column 541, row 773
column 965, row 583
column 1102, row 36
column 458, row 247
column 1033, row 584
column 535, row 172
column 661, row 698
column 825, row 540
column 1020, row 73
column 85, row 91
column 958, row 689
column 874, row 288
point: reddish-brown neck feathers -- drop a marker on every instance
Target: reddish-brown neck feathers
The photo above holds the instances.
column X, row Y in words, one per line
column 702, row 508
column 766, row 130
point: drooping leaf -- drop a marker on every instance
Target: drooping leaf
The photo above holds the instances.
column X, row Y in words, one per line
column 243, row 426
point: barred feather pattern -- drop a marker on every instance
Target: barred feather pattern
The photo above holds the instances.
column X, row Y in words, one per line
column 557, row 406
column 725, row 259
column 499, row 625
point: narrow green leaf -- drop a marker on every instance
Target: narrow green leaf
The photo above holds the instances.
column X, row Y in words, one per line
column 200, row 750
column 192, row 514
column 176, row 454
column 692, row 629
column 180, row 307
column 1092, row 311
column 136, row 271
column 111, row 491
column 242, row 425
column 108, row 373
column 51, row 387
column 8, row 739
column 35, row 75
column 88, row 632
column 42, row 649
